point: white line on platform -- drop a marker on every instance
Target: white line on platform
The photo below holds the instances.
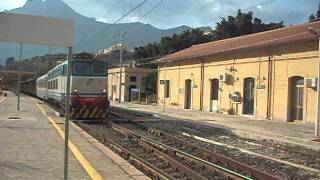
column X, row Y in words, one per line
column 2, row 99
column 18, row 120
column 252, row 153
column 92, row 172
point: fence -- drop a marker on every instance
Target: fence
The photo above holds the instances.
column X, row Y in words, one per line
column 142, row 97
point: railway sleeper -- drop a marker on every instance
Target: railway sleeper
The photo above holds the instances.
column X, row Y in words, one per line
column 214, row 157
column 156, row 172
column 173, row 153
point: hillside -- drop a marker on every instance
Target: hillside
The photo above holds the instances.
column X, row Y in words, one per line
column 85, row 29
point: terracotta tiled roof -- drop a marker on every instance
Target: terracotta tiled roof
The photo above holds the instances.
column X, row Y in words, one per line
column 264, row 39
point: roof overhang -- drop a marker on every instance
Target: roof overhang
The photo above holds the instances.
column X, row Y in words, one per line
column 269, row 45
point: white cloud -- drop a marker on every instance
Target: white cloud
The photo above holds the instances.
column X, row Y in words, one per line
column 172, row 13
column 104, row 20
column 11, row 4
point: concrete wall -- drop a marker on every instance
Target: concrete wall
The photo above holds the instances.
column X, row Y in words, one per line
column 299, row 59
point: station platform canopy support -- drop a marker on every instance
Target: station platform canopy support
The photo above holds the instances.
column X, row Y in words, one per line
column 26, row 29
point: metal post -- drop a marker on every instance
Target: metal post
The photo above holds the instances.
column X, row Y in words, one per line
column 120, row 81
column 19, row 76
column 164, row 88
column 67, row 109
column 317, row 128
column 139, row 96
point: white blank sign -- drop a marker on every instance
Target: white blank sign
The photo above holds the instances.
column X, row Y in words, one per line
column 36, row 30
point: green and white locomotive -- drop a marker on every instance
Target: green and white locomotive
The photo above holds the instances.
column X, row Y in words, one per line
column 88, row 94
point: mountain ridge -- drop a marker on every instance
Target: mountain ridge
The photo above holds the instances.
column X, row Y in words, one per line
column 85, row 30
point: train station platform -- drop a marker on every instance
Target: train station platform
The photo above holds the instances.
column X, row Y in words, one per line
column 32, row 146
column 290, row 133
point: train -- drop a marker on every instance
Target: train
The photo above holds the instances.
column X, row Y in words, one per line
column 88, row 82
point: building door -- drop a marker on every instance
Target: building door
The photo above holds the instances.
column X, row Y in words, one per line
column 188, row 94
column 130, row 91
column 248, row 96
column 296, row 91
column 214, row 95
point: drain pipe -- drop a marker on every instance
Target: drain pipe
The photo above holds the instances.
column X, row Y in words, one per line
column 270, row 70
column 201, row 85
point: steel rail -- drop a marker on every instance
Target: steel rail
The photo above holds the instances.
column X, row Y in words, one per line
column 182, row 168
column 229, row 174
column 209, row 155
column 156, row 172
column 229, row 162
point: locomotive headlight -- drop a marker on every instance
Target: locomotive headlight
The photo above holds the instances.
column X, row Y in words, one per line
column 75, row 90
column 104, row 91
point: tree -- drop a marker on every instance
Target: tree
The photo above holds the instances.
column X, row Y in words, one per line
column 149, row 83
column 241, row 24
column 312, row 17
column 10, row 61
column 171, row 44
column 38, row 64
column 318, row 11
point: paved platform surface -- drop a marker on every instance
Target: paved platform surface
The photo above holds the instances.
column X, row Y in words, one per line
column 292, row 133
column 31, row 148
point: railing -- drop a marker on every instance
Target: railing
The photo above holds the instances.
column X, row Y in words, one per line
column 141, row 97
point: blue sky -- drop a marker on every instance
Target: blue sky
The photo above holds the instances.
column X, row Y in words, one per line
column 194, row 13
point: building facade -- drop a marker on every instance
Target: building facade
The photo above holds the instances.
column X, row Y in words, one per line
column 132, row 78
column 268, row 75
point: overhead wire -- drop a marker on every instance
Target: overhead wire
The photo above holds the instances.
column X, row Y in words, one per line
column 245, row 9
column 111, row 9
column 143, row 16
column 136, row 26
column 116, row 21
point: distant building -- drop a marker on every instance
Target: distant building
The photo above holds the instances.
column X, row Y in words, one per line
column 110, row 49
column 269, row 75
column 207, row 33
column 131, row 79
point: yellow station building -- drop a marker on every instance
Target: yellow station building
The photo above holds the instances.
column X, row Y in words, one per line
column 268, row 75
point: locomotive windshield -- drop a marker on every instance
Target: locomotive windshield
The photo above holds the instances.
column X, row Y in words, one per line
column 98, row 68
column 81, row 68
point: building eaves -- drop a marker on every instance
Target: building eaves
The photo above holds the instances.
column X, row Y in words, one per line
column 287, row 35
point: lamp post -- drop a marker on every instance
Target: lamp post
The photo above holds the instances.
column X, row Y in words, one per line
column 317, row 122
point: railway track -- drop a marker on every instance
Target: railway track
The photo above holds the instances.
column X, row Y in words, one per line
column 161, row 155
column 161, row 159
column 306, row 159
column 275, row 159
column 178, row 146
column 156, row 160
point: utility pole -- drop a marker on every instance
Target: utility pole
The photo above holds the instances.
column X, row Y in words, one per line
column 121, row 53
column 19, row 76
column 67, row 110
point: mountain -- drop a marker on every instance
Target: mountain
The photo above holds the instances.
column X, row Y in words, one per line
column 86, row 30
